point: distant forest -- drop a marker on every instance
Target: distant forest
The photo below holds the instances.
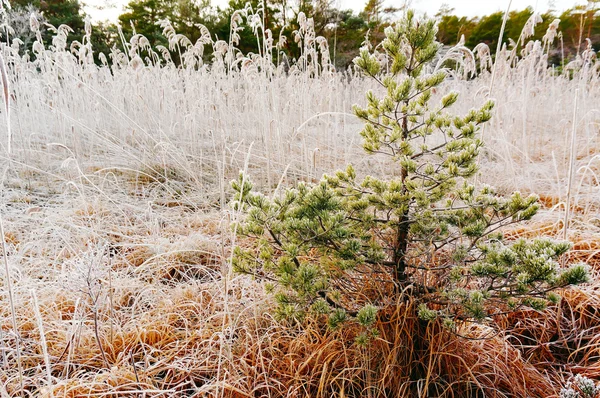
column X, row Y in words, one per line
column 345, row 30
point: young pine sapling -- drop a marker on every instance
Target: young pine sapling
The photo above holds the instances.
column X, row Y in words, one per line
column 350, row 246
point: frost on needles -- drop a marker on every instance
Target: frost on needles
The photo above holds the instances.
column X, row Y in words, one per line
column 347, row 248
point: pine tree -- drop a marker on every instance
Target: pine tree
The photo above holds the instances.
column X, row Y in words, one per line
column 349, row 246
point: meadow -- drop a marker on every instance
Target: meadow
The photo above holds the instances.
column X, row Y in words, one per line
column 117, row 226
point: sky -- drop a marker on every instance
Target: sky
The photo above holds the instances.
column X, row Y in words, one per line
column 110, row 9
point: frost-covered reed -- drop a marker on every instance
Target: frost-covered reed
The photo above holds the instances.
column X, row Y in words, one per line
column 134, row 156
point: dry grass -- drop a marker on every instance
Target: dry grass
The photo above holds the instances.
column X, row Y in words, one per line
column 168, row 328
column 115, row 216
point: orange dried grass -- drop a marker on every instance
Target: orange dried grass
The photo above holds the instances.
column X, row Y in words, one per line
column 564, row 338
column 165, row 332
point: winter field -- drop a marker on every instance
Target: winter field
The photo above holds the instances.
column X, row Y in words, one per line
column 116, row 273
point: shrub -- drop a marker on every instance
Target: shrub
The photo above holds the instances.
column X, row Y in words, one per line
column 582, row 387
column 348, row 247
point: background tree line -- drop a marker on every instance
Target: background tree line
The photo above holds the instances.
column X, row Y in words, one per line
column 345, row 30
